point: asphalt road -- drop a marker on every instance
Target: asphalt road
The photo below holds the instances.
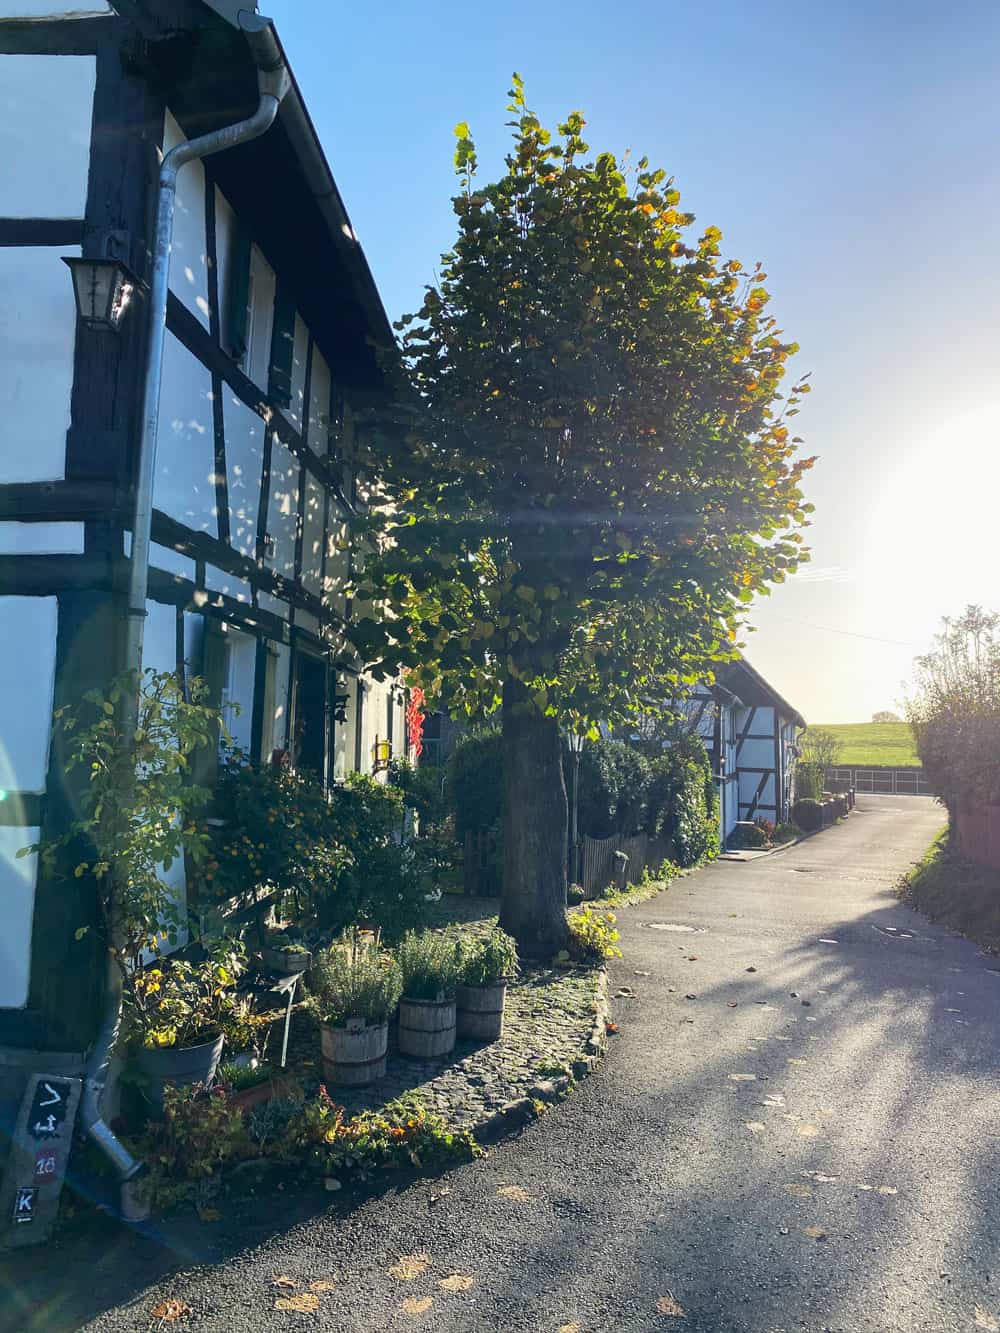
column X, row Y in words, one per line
column 808, row 1143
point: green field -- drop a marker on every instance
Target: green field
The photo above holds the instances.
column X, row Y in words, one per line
column 889, row 743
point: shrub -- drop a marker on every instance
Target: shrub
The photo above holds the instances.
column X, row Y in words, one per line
column 475, row 783
column 200, row 1134
column 489, row 959
column 237, row 1078
column 748, row 837
column 401, row 1133
column 808, row 814
column 612, row 796
column 430, row 964
column 682, row 803
column 352, row 981
column 423, row 790
column 786, row 832
column 575, row 893
column 810, row 779
column 593, row 935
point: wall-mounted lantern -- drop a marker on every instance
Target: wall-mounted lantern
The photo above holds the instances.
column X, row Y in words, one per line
column 103, row 289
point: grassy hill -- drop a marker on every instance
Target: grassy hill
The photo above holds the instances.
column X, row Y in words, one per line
column 874, row 743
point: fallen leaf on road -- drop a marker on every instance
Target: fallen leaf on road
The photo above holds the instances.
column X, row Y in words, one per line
column 866, row 1187
column 301, row 1304
column 800, row 1191
column 414, row 1306
column 690, row 997
column 410, row 1266
column 814, row 1233
column 611, row 1028
column 985, row 1320
column 732, row 1004
column 819, row 1177
column 456, row 1282
column 751, row 969
column 886, row 1189
column 808, row 1131
column 795, row 1060
column 743, row 1078
column 322, row 1286
column 754, row 1126
column 773, row 1099
column 441, row 1194
column 693, row 958
column 208, row 1214
column 570, row 1328
column 828, row 941
column 516, row 1193
column 170, row 1310
column 667, row 1305
column 284, row 1281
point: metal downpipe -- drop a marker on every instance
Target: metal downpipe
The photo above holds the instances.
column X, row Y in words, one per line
column 273, row 81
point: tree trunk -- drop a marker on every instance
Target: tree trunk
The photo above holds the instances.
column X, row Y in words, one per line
column 533, row 906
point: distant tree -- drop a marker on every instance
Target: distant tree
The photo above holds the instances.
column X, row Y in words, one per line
column 594, row 473
column 820, row 747
column 886, row 715
column 955, row 709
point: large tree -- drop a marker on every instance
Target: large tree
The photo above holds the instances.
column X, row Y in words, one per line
column 593, row 475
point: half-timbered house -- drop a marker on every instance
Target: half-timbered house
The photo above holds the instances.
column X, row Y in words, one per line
column 274, row 347
column 751, row 733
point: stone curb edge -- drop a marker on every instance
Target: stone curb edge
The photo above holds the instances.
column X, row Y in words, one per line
column 521, row 1110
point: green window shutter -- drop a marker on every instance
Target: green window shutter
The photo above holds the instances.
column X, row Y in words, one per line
column 282, row 347
column 237, row 297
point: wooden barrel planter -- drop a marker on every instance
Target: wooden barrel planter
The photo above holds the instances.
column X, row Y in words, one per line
column 480, row 1011
column 354, row 1055
column 426, row 1027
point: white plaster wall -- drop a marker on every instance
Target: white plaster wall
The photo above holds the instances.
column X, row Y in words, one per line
column 159, row 640
column 338, row 560
column 237, row 699
column 757, row 754
column 312, row 535
column 319, row 403
column 257, row 363
column 307, row 621
column 282, row 509
column 41, row 538
column 220, row 580
column 188, row 251
column 17, row 906
column 244, row 462
column 171, row 561
column 27, row 676
column 37, row 340
column 184, row 486
column 46, row 109
column 300, row 358
column 225, row 236
column 748, row 787
column 267, row 602
column 279, row 720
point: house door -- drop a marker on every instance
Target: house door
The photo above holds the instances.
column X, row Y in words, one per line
column 309, row 711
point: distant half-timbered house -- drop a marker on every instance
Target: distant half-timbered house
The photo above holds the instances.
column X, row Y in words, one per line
column 751, row 734
column 274, row 342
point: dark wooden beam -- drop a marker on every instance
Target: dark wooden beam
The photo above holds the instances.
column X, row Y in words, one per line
column 41, row 575
column 55, row 37
column 41, row 231
column 43, row 501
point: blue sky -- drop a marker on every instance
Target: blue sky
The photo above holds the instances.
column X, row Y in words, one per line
column 853, row 148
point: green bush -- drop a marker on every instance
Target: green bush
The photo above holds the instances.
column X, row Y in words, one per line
column 430, row 963
column 786, row 832
column 808, row 814
column 749, row 838
column 682, row 804
column 613, row 782
column 350, row 981
column 475, row 783
column 809, row 780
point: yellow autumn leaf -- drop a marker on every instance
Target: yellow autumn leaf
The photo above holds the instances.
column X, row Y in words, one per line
column 668, row 1306
column 984, row 1319
column 303, row 1303
column 814, row 1233
column 322, row 1286
column 410, row 1266
column 170, row 1310
column 414, row 1306
column 456, row 1282
column 516, row 1193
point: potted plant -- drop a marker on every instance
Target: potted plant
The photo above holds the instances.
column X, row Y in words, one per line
column 355, row 987
column 247, row 1084
column 488, row 963
column 178, row 1012
column 284, row 953
column 430, row 964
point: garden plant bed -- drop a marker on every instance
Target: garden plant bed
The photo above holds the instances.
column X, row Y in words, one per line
column 553, row 1033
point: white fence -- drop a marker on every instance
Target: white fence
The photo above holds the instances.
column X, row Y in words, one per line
column 879, row 781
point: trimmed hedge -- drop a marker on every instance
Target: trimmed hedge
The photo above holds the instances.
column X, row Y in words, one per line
column 808, row 814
